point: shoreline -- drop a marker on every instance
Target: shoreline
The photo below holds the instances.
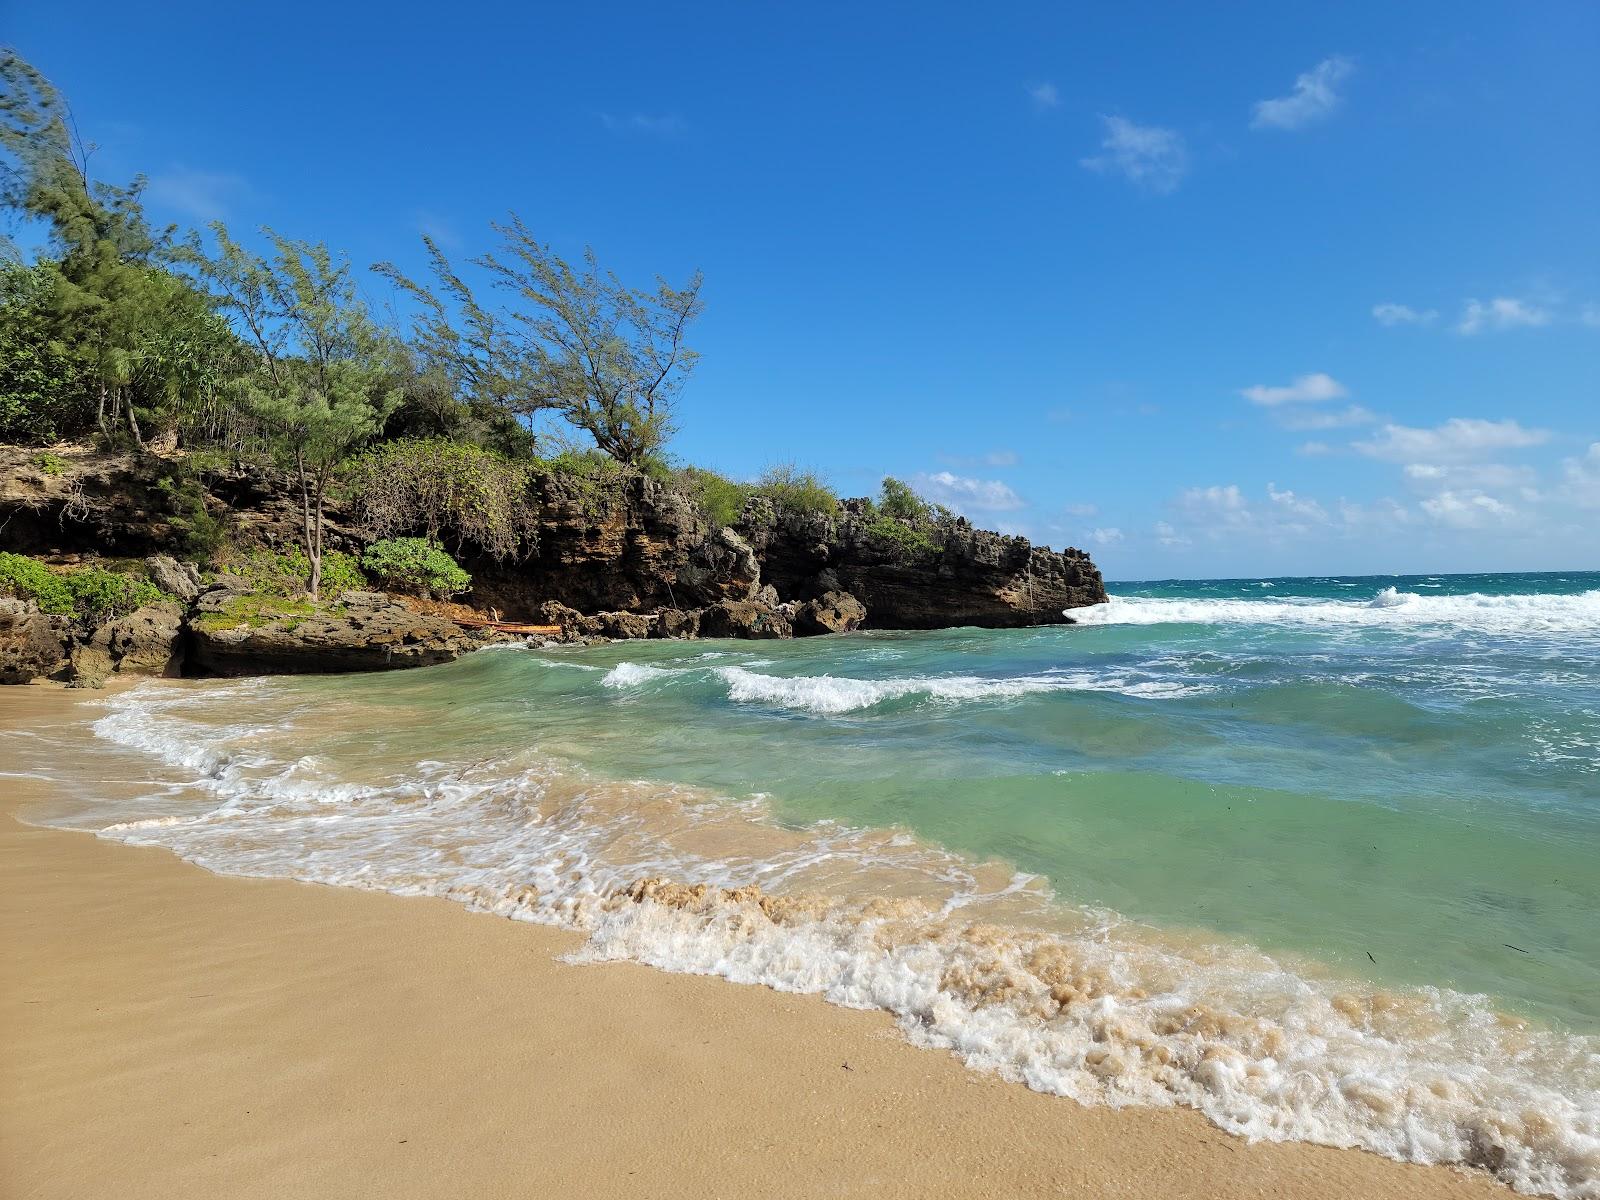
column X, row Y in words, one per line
column 223, row 1036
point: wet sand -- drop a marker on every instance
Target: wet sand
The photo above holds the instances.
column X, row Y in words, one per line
column 166, row 1032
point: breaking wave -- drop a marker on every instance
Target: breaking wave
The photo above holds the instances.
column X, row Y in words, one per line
column 968, row 956
column 832, row 695
column 1504, row 615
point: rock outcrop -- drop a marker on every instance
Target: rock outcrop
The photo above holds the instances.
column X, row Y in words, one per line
column 618, row 556
column 235, row 634
column 148, row 641
column 32, row 643
column 831, row 612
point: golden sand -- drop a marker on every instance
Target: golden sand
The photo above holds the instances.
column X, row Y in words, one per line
column 169, row 1033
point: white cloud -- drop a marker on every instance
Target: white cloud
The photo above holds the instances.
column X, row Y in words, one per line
column 652, row 125
column 1307, row 389
column 963, row 494
column 1500, row 314
column 1582, row 478
column 1315, row 97
column 1044, row 95
column 1148, row 156
column 1344, row 418
column 1106, row 537
column 1314, row 449
column 1287, row 502
column 1168, row 536
column 1457, row 440
column 1403, row 314
column 201, row 195
column 1082, row 510
column 1471, row 477
column 1590, row 316
column 1467, row 510
column 1217, row 498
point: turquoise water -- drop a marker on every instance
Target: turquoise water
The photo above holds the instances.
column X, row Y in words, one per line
column 1280, row 760
column 1314, row 856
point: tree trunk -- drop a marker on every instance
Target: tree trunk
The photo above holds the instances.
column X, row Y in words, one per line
column 310, row 528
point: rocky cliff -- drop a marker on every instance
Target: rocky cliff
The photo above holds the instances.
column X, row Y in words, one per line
column 633, row 559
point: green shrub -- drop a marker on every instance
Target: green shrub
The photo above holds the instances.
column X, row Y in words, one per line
column 433, row 487
column 29, row 579
column 92, row 594
column 796, row 491
column 898, row 500
column 415, row 565
column 910, row 540
column 52, row 465
column 287, row 572
column 720, row 499
column 100, row 595
column 199, row 533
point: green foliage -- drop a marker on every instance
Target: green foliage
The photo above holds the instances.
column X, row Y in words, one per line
column 52, row 465
column 795, row 491
column 318, row 381
column 906, row 539
column 43, row 395
column 610, row 358
column 435, row 488
column 29, row 579
column 415, row 565
column 593, row 479
column 92, row 594
column 286, row 573
column 200, row 533
column 99, row 595
column 719, row 498
column 898, row 500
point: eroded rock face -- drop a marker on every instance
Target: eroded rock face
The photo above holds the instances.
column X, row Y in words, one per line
column 361, row 631
column 831, row 612
column 32, row 643
column 148, row 641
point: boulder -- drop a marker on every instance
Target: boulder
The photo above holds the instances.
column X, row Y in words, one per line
column 831, row 612
column 676, row 623
column 553, row 612
column 744, row 619
column 148, row 641
column 623, row 625
column 360, row 631
column 32, row 643
column 173, row 577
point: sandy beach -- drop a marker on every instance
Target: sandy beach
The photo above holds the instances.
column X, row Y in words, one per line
column 166, row 1032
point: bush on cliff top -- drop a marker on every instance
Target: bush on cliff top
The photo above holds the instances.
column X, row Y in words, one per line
column 436, row 488
column 720, row 499
column 796, row 491
column 417, row 566
column 92, row 594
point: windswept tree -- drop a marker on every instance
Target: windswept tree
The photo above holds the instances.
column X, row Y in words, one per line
column 144, row 344
column 610, row 358
column 318, row 375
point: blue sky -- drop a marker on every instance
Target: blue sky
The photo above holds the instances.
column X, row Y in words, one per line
column 1209, row 290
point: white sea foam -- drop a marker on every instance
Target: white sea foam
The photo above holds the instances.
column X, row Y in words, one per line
column 1391, row 608
column 834, row 694
column 1081, row 1004
column 627, row 675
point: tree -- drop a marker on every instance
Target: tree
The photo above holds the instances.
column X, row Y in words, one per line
column 318, row 377
column 138, row 339
column 610, row 358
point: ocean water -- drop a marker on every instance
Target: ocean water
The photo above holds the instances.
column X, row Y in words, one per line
column 1318, row 857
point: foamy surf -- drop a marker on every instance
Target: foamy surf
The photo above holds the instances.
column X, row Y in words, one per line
column 1512, row 615
column 834, row 695
column 1074, row 1002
